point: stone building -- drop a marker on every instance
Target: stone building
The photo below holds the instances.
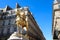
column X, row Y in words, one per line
column 8, row 26
column 7, row 22
column 56, row 20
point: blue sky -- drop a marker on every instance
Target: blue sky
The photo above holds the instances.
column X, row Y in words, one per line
column 42, row 12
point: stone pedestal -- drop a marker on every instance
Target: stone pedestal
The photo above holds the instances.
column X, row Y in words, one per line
column 55, row 39
column 15, row 37
column 59, row 37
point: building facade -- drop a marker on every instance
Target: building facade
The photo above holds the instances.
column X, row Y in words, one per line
column 8, row 24
column 56, row 20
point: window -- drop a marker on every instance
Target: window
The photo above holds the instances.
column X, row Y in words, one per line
column 59, row 6
column 11, row 29
column 9, row 22
column 57, row 23
column 13, row 12
column 3, row 22
column 0, row 31
column 6, row 22
column 15, row 28
column 3, row 17
column 5, row 30
column 8, row 30
column 12, row 21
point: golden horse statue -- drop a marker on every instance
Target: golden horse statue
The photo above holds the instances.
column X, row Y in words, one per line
column 21, row 20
